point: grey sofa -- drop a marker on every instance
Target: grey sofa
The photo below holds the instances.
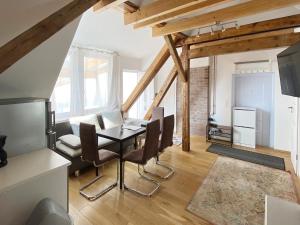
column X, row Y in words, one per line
column 64, row 128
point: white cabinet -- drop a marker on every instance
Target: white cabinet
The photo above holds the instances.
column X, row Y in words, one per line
column 29, row 178
column 244, row 130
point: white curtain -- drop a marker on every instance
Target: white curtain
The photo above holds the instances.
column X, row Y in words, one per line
column 95, row 82
column 114, row 92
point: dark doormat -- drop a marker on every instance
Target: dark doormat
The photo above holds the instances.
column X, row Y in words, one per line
column 253, row 157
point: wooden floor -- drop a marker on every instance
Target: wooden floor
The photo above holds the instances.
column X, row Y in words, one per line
column 167, row 206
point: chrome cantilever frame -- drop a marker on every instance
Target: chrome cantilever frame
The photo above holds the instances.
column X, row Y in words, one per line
column 147, row 194
column 102, row 192
column 158, row 162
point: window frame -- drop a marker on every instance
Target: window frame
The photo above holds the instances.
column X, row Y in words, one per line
column 77, row 105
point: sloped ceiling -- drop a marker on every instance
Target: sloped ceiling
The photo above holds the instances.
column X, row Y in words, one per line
column 35, row 74
column 106, row 30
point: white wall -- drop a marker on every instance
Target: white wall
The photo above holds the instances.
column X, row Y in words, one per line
column 225, row 69
column 36, row 73
column 17, row 16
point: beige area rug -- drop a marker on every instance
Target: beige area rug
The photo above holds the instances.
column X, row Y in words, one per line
column 234, row 192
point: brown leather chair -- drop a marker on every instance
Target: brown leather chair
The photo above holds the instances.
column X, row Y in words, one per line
column 165, row 142
column 142, row 155
column 90, row 153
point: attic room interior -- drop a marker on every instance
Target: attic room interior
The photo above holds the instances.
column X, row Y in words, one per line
column 150, row 112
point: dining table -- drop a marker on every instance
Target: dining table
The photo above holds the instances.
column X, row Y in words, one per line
column 121, row 134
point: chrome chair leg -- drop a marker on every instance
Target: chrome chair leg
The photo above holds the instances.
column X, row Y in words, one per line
column 167, row 176
column 100, row 193
column 146, row 194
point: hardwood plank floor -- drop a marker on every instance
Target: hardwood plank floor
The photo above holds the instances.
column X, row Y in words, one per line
column 167, row 206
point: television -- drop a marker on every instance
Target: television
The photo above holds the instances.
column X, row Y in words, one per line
column 289, row 70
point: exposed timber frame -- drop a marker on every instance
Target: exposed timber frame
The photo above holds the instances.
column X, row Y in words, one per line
column 21, row 45
column 150, row 73
column 230, row 13
column 162, row 92
column 246, row 44
column 172, row 48
column 185, row 93
column 254, row 28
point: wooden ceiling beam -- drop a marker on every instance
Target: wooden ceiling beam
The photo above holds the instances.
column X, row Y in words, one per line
column 254, row 28
column 179, row 12
column 251, row 44
column 221, row 15
column 130, row 7
column 157, row 8
column 18, row 47
column 243, row 38
column 162, row 92
column 105, row 4
column 173, row 51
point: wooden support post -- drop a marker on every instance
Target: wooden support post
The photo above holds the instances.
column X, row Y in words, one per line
column 186, row 101
column 172, row 48
column 162, row 92
column 151, row 72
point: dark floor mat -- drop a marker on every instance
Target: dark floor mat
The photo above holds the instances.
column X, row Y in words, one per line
column 253, row 157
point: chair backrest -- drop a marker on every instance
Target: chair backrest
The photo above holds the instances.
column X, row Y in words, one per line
column 167, row 132
column 158, row 114
column 151, row 140
column 89, row 142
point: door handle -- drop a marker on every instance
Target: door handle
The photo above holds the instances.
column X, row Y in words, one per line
column 291, row 108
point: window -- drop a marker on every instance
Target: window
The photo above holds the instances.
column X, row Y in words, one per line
column 61, row 96
column 95, row 82
column 83, row 84
column 140, row 107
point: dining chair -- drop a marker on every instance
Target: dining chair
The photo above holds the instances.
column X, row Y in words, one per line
column 90, row 153
column 143, row 154
column 157, row 114
column 165, row 142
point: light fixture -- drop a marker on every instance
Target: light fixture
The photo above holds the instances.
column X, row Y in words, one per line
column 212, row 30
column 297, row 30
column 223, row 28
column 199, row 32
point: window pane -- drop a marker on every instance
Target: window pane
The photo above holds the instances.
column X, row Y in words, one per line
column 61, row 96
column 95, row 82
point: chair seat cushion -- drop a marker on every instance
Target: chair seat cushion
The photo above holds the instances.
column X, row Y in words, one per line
column 135, row 156
column 71, row 141
column 102, row 142
column 105, row 155
column 67, row 150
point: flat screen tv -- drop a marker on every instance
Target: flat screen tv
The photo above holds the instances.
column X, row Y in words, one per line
column 289, row 70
